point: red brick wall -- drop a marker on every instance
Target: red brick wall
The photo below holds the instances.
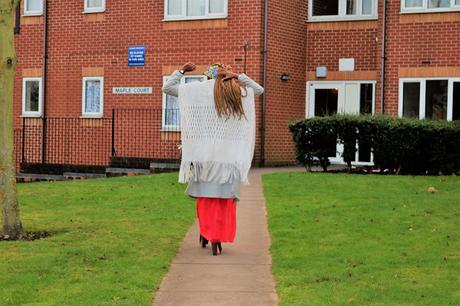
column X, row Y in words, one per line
column 29, row 52
column 296, row 47
column 327, row 46
column 285, row 99
column 427, row 41
column 78, row 41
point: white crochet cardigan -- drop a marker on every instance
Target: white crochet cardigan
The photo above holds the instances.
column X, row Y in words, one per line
column 220, row 149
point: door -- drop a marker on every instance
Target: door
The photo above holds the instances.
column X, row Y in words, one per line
column 326, row 99
column 353, row 97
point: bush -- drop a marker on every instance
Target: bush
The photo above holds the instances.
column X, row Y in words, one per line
column 400, row 145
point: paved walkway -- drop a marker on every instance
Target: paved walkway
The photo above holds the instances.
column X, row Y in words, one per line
column 241, row 275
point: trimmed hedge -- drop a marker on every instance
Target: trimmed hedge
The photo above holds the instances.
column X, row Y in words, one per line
column 400, row 145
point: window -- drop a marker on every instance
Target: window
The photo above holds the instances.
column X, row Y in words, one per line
column 33, row 7
column 456, row 101
column 411, row 100
column 93, row 97
column 435, row 98
column 320, row 10
column 32, row 97
column 342, row 97
column 171, row 112
column 195, row 9
column 429, row 5
column 94, row 6
column 367, row 99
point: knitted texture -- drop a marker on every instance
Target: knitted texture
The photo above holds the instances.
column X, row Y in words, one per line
column 220, row 149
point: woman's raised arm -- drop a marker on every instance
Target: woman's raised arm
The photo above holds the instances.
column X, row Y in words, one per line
column 171, row 87
column 258, row 90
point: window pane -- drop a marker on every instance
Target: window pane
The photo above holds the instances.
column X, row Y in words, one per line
column 93, row 96
column 456, row 102
column 172, row 115
column 351, row 7
column 367, row 94
column 438, row 3
column 367, row 7
column 216, row 6
column 411, row 100
column 325, row 7
column 414, row 3
column 326, row 102
column 196, row 7
column 174, row 7
column 457, row 2
column 436, row 99
column 193, row 79
column 94, row 3
column 32, row 96
column 34, row 5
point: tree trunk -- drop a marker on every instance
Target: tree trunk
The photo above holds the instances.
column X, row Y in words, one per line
column 12, row 226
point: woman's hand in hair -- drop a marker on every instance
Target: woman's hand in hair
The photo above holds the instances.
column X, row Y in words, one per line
column 189, row 67
column 227, row 75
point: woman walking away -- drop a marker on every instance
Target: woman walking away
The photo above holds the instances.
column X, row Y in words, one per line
column 218, row 138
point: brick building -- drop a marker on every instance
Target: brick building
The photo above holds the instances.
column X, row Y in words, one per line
column 88, row 104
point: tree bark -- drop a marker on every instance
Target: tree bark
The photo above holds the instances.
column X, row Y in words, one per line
column 12, row 226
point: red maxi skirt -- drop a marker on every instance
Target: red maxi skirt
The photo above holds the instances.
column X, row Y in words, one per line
column 217, row 218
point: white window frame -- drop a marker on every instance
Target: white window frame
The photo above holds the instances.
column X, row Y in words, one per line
column 33, row 13
column 99, row 114
column 450, row 95
column 422, row 102
column 424, row 8
column 310, row 107
column 343, row 12
column 183, row 15
column 93, row 9
column 174, row 128
column 341, row 86
column 40, row 97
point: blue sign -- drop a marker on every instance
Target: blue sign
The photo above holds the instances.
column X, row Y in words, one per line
column 136, row 56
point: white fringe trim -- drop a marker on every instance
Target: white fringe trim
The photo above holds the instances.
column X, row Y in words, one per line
column 212, row 171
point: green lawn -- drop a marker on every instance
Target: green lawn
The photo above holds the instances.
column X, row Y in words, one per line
column 341, row 239
column 112, row 241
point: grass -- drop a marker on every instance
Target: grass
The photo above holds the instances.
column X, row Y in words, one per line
column 112, row 241
column 341, row 239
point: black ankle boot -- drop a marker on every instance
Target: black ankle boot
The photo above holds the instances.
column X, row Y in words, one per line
column 216, row 248
column 203, row 242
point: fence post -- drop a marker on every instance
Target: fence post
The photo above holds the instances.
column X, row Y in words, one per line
column 44, row 141
column 23, row 157
column 113, row 132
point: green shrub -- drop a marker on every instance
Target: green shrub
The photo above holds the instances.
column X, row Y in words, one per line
column 399, row 145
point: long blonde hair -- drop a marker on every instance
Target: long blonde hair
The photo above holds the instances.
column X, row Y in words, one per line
column 228, row 97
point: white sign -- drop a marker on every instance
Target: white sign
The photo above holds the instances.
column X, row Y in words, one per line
column 132, row 90
column 346, row 64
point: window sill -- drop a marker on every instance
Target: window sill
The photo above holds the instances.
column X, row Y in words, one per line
column 94, row 11
column 170, row 130
column 194, row 18
column 31, row 116
column 340, row 19
column 430, row 11
column 92, row 117
column 215, row 23
column 33, row 14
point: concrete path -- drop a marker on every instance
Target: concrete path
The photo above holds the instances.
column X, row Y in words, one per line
column 241, row 275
